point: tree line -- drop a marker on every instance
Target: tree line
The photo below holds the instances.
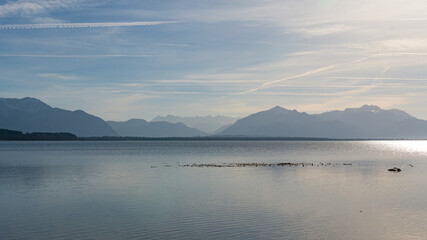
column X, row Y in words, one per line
column 6, row 134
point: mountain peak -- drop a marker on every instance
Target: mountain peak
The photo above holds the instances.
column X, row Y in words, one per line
column 136, row 121
column 364, row 108
column 279, row 109
column 142, row 128
column 370, row 108
column 26, row 104
column 203, row 123
column 32, row 115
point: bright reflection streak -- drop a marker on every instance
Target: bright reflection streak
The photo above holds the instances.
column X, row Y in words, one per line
column 406, row 146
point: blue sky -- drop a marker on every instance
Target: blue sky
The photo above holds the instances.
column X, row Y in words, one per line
column 138, row 59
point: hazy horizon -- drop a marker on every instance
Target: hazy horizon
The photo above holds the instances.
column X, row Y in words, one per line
column 196, row 115
column 126, row 59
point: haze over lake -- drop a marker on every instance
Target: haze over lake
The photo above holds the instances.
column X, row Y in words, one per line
column 137, row 190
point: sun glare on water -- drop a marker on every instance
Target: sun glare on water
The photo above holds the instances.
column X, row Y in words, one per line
column 407, row 146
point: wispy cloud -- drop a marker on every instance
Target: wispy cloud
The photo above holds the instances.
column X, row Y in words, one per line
column 32, row 7
column 58, row 76
column 83, row 25
column 76, row 56
column 320, row 31
column 384, row 78
column 334, row 66
column 308, row 73
column 174, row 44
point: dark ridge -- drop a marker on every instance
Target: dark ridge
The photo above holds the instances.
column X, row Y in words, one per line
column 36, row 136
column 233, row 138
column 208, row 138
column 12, row 135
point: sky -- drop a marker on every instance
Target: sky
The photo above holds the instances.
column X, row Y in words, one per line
column 142, row 58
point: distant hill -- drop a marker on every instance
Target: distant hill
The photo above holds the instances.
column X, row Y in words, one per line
column 365, row 122
column 281, row 122
column 208, row 124
column 32, row 115
column 142, row 128
column 379, row 123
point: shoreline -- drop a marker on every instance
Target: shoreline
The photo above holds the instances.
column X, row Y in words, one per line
column 201, row 139
column 12, row 135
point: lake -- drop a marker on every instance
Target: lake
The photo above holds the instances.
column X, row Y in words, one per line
column 140, row 190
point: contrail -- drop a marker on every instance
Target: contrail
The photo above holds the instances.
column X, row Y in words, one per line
column 326, row 68
column 384, row 78
column 76, row 56
column 83, row 25
column 264, row 85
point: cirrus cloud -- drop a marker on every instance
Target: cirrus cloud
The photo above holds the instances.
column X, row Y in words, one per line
column 83, row 25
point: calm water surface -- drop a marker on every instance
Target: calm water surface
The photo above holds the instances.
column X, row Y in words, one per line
column 136, row 190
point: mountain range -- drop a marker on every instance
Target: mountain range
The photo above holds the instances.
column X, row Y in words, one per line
column 281, row 122
column 374, row 122
column 33, row 115
column 208, row 124
column 142, row 128
column 366, row 122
